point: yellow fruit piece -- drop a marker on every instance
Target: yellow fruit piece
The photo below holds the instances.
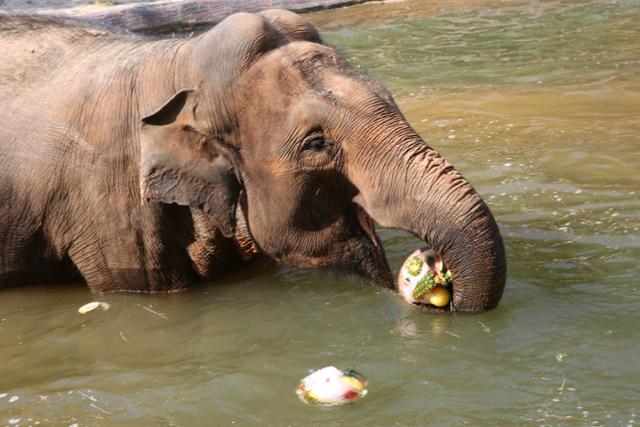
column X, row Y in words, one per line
column 439, row 296
column 354, row 383
column 313, row 398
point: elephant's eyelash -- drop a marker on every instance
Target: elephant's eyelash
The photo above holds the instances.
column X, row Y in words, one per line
column 315, row 141
column 316, row 144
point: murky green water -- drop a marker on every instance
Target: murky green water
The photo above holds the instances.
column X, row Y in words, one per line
column 538, row 105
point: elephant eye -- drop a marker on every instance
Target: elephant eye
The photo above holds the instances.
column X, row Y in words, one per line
column 315, row 142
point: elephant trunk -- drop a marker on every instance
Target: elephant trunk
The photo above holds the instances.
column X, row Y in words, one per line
column 415, row 189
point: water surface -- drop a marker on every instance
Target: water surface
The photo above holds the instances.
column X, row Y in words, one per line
column 537, row 104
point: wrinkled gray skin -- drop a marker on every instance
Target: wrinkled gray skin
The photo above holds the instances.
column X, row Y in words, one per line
column 148, row 165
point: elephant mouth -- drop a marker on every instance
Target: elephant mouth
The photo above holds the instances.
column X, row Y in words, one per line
column 367, row 225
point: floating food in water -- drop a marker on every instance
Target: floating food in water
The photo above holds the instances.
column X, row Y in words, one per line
column 424, row 279
column 331, row 386
column 92, row 306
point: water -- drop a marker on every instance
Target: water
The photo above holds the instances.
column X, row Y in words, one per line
column 537, row 104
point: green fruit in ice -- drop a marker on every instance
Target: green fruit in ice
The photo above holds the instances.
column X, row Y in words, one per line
column 424, row 285
column 415, row 266
column 420, row 290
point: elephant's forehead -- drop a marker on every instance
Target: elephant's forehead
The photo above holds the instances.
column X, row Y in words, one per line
column 305, row 69
column 308, row 62
column 344, row 88
column 356, row 94
column 324, row 70
column 308, row 55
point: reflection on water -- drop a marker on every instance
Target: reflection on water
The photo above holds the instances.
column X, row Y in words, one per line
column 537, row 104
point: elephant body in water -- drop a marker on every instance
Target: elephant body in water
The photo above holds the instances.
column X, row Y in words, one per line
column 142, row 164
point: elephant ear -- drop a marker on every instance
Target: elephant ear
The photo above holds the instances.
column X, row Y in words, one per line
column 179, row 164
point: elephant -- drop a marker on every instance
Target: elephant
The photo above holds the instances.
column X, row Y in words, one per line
column 149, row 164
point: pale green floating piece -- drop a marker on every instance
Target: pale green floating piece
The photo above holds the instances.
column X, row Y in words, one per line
column 560, row 356
column 484, row 327
column 92, row 306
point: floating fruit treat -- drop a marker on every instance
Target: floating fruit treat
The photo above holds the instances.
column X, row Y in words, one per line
column 424, row 279
column 331, row 386
column 92, row 306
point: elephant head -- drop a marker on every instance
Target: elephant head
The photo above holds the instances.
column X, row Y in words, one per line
column 313, row 152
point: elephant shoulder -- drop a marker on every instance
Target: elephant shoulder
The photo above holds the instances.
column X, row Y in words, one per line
column 36, row 48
